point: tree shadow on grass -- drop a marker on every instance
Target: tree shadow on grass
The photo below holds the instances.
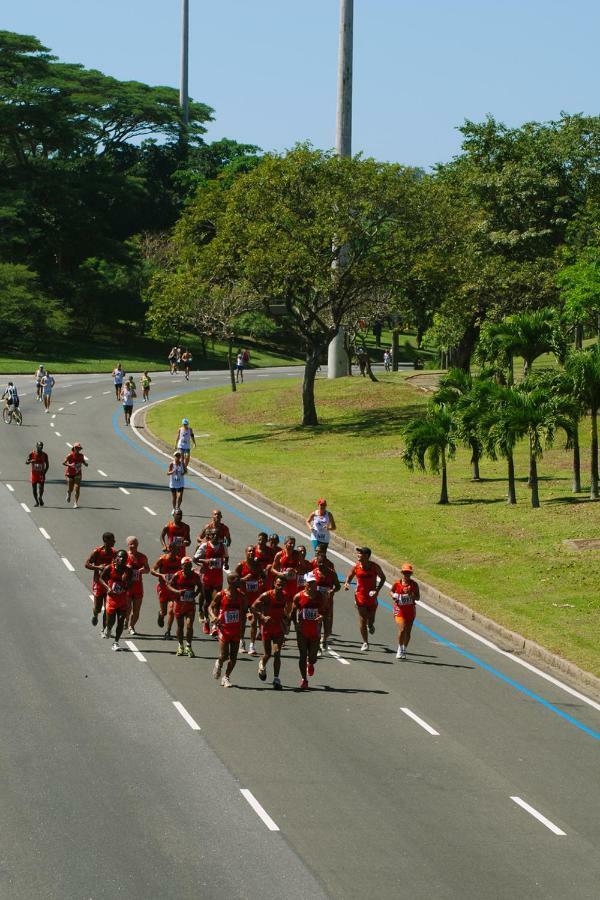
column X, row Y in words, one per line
column 476, row 501
column 572, row 499
column 373, row 422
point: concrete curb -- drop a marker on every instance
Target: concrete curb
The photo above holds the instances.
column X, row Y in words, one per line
column 507, row 640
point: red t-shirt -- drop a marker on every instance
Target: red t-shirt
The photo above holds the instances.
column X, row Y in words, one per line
column 101, row 556
column 308, row 610
column 212, row 556
column 366, row 581
column 404, row 596
column 74, row 464
column 188, row 584
column 274, row 607
column 136, row 562
column 118, row 582
column 39, row 463
column 167, row 567
column 254, row 586
column 177, row 534
column 231, row 614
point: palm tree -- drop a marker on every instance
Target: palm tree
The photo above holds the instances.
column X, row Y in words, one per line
column 562, row 387
column 466, row 397
column 501, row 429
column 527, row 334
column 430, row 439
column 584, row 368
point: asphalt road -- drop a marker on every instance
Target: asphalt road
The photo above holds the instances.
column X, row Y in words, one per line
column 368, row 801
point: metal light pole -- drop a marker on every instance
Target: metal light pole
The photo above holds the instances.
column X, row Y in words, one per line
column 337, row 358
column 185, row 45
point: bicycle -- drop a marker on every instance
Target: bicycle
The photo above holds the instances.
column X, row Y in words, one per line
column 12, row 414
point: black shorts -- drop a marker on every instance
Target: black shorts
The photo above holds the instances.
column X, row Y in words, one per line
column 128, row 408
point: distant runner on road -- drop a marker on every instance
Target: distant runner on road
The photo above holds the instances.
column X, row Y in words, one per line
column 252, row 580
column 273, row 611
column 184, row 440
column 210, row 557
column 369, row 581
column 38, row 460
column 118, row 376
column 228, row 610
column 310, row 607
column 164, row 569
column 48, row 383
column 176, row 473
column 138, row 563
column 405, row 593
column 321, row 524
column 146, row 381
column 116, row 579
column 128, row 395
column 74, row 462
column 176, row 532
column 97, row 561
column 186, row 586
column 39, row 374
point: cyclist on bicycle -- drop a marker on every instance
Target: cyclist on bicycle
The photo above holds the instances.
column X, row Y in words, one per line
column 11, row 397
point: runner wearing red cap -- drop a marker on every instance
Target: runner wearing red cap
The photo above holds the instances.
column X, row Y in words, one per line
column 321, row 524
column 186, row 585
column 74, row 462
column 138, row 563
column 405, row 593
column 310, row 607
column 273, row 611
column 369, row 581
column 228, row 610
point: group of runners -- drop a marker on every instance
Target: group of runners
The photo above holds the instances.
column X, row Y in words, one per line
column 271, row 591
column 73, row 463
column 180, row 360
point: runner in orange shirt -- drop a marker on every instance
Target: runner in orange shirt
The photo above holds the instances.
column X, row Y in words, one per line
column 405, row 593
column 138, row 563
column 116, row 580
column 228, row 611
column 328, row 584
column 310, row 607
column 187, row 587
column 210, row 557
column 74, row 462
column 164, row 568
column 369, row 581
column 96, row 562
column 253, row 582
column 38, row 460
column 176, row 532
column 273, row 611
column 285, row 565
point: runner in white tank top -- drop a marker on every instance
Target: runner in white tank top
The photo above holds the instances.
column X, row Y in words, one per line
column 176, row 471
column 184, row 440
column 321, row 524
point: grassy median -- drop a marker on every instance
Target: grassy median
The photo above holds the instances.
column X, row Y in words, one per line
column 509, row 563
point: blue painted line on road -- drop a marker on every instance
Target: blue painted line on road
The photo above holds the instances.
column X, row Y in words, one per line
column 438, row 637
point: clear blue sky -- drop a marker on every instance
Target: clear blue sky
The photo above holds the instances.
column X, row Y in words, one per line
column 268, row 67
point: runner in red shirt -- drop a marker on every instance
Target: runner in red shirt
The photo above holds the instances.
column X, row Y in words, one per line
column 223, row 534
column 286, row 565
column 405, row 593
column 74, row 462
column 138, row 563
column 310, row 607
column 228, row 609
column 187, row 587
column 116, row 580
column 164, row 568
column 176, row 532
column 328, row 584
column 210, row 557
column 273, row 611
column 274, row 549
column 97, row 561
column 252, row 582
column 369, row 581
column 38, row 460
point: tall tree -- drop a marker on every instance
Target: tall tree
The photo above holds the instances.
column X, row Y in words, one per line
column 584, row 368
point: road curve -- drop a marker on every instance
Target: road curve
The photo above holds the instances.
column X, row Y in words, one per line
column 458, row 774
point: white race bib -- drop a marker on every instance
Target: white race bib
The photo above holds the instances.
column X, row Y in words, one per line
column 232, row 616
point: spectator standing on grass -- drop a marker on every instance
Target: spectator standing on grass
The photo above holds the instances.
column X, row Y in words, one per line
column 387, row 360
column 377, row 328
column 239, row 367
column 363, row 359
column 246, row 357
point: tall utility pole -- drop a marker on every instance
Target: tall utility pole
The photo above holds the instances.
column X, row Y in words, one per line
column 184, row 101
column 337, row 358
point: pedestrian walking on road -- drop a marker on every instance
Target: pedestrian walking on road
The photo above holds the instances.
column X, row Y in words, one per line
column 38, row 460
column 405, row 593
column 176, row 472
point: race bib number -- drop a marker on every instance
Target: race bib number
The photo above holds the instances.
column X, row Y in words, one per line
column 116, row 588
column 215, row 563
column 323, row 589
column 251, row 586
column 177, row 539
column 135, row 574
column 310, row 613
column 188, row 596
column 38, row 467
column 300, row 580
column 232, row 616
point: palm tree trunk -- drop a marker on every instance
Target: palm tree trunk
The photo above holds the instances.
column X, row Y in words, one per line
column 594, row 462
column 576, row 460
column 512, row 491
column 444, row 494
column 533, row 477
column 475, row 462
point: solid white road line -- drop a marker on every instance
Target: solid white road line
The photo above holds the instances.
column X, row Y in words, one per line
column 68, row 564
column 149, row 511
column 537, row 815
column 10, row 488
column 339, row 658
column 185, row 714
column 408, row 712
column 44, row 533
column 430, row 609
column 135, row 651
column 73, row 402
column 100, row 472
column 263, row 814
column 25, row 507
column 124, row 491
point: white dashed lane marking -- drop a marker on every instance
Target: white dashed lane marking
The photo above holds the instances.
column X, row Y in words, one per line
column 68, row 564
column 139, row 656
column 25, row 507
column 419, row 721
column 537, row 815
column 339, row 658
column 124, row 491
column 100, row 472
column 10, row 488
column 58, row 434
column 73, row 402
column 258, row 809
column 185, row 714
column 44, row 533
column 149, row 511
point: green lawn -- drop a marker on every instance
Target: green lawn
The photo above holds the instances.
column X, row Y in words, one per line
column 137, row 354
column 507, row 562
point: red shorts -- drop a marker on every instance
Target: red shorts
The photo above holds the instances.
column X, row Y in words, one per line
column 405, row 613
column 38, row 479
column 228, row 633
column 366, row 602
column 272, row 632
column 98, row 591
column 164, row 594
column 310, row 631
column 183, row 608
column 117, row 604
column 137, row 591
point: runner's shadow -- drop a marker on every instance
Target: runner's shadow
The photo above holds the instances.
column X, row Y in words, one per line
column 424, row 662
column 334, row 690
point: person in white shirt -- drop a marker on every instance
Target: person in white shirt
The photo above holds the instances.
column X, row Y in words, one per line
column 48, row 383
column 128, row 395
column 118, row 376
column 184, row 440
column 321, row 524
column 38, row 382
